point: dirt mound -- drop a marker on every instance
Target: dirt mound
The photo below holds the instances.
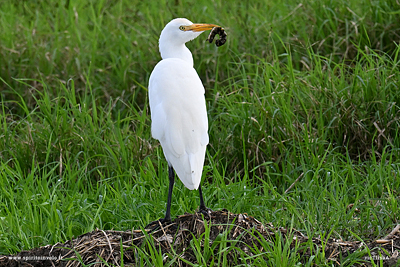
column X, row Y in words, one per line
column 240, row 230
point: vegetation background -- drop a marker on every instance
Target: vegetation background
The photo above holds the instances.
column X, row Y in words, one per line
column 303, row 104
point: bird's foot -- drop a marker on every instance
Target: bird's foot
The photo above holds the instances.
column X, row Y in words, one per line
column 206, row 212
column 155, row 225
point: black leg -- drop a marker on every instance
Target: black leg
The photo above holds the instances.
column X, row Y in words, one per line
column 156, row 224
column 203, row 209
column 171, row 175
column 202, row 206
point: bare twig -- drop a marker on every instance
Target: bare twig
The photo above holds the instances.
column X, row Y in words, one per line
column 389, row 236
column 291, row 186
column 111, row 249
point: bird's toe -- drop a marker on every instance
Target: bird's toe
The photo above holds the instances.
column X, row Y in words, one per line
column 206, row 212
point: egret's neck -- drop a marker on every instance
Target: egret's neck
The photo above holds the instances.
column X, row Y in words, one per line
column 170, row 49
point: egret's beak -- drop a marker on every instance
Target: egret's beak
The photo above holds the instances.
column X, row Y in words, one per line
column 200, row 27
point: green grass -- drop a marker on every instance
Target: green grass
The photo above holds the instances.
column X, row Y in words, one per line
column 307, row 89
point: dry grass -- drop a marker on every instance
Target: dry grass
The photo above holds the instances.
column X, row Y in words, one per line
column 243, row 235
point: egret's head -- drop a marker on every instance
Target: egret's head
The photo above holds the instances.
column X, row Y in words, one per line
column 180, row 31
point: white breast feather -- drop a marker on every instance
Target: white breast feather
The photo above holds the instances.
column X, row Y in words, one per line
column 179, row 118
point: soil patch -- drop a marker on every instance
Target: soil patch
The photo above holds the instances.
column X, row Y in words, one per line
column 243, row 231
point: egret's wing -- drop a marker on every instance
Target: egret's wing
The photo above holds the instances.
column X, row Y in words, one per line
column 179, row 118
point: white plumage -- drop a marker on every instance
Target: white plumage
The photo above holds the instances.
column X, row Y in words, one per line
column 177, row 104
column 178, row 107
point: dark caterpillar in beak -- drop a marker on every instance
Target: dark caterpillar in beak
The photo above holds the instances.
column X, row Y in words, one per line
column 222, row 36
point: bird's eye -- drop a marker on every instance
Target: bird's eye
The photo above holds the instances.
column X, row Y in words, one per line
column 182, row 28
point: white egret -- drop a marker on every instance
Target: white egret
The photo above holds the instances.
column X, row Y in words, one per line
column 178, row 107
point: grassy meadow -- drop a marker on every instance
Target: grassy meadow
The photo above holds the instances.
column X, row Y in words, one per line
column 303, row 107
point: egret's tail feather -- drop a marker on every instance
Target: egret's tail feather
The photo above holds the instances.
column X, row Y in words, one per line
column 189, row 168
